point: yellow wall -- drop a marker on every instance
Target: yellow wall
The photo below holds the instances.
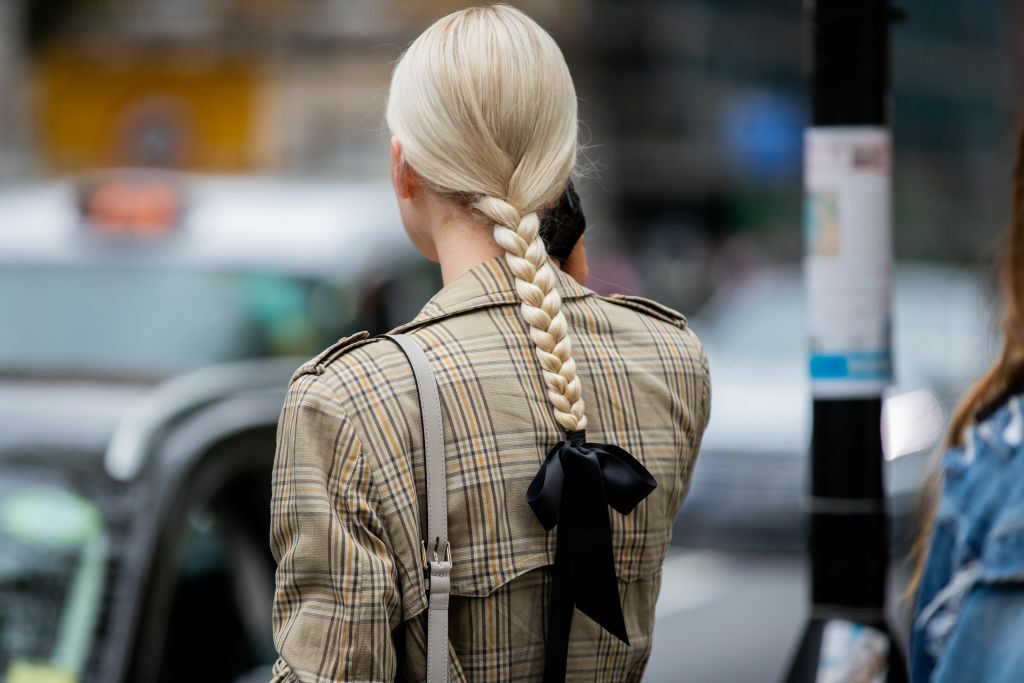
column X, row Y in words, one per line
column 123, row 109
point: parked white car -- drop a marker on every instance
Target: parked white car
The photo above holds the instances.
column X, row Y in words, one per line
column 750, row 480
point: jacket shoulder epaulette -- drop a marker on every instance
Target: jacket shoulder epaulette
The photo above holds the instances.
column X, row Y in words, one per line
column 652, row 308
column 317, row 364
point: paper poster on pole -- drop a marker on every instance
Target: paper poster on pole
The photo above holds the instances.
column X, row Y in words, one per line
column 848, row 260
column 852, row 652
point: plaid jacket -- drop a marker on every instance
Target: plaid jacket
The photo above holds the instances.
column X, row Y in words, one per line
column 348, row 490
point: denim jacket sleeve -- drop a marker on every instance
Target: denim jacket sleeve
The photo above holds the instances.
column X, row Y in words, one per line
column 969, row 620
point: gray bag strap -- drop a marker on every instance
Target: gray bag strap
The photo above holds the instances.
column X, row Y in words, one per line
column 435, row 551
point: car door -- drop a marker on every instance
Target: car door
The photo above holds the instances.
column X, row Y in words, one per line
column 195, row 596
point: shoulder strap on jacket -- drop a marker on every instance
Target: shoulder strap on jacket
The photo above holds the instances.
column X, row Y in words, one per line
column 437, row 554
column 653, row 308
column 316, row 364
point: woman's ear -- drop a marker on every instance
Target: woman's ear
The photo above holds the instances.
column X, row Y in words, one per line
column 402, row 177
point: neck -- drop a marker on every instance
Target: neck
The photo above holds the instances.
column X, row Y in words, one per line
column 463, row 243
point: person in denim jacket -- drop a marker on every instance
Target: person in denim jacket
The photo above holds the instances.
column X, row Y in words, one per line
column 969, row 614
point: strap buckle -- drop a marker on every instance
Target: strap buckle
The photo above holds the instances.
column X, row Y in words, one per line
column 437, row 543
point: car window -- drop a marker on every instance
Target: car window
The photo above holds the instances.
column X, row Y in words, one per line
column 210, row 593
column 156, row 321
column 223, row 584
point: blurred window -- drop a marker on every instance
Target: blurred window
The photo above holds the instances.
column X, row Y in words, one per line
column 762, row 316
column 210, row 594
column 222, row 583
column 942, row 322
column 155, row 321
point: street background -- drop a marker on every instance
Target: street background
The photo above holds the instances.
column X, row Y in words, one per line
column 693, row 112
column 693, row 116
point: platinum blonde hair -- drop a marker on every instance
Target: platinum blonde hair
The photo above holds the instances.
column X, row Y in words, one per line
column 485, row 109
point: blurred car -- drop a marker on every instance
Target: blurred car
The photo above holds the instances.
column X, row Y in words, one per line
column 749, row 484
column 149, row 326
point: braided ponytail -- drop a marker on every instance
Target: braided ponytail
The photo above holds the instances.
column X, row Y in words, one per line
column 485, row 108
column 541, row 306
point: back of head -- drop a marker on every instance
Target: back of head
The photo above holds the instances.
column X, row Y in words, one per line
column 484, row 107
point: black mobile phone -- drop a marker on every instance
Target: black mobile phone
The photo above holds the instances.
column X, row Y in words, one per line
column 562, row 226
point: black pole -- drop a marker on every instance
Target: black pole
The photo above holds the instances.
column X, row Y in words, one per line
column 847, row 520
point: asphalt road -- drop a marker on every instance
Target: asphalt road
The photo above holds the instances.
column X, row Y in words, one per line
column 733, row 617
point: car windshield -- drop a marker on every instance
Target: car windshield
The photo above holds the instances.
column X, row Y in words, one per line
column 155, row 321
column 57, row 539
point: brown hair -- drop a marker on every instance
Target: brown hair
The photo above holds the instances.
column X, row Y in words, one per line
column 1008, row 367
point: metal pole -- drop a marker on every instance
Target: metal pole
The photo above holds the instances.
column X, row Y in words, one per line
column 848, row 265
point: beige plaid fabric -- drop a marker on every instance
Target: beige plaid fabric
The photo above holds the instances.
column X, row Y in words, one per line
column 348, row 496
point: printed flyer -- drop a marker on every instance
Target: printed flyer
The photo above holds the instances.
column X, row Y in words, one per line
column 848, row 261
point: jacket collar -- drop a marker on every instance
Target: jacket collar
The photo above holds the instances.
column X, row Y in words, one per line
column 490, row 283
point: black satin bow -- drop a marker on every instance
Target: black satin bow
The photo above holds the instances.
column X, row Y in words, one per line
column 571, row 490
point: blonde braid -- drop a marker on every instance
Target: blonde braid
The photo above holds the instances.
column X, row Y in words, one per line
column 535, row 277
column 484, row 107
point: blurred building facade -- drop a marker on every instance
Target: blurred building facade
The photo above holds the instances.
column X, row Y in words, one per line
column 694, row 111
column 215, row 85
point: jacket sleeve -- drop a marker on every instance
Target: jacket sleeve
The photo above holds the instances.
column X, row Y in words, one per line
column 336, row 598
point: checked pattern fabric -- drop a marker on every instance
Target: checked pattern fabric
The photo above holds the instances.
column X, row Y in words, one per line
column 348, row 488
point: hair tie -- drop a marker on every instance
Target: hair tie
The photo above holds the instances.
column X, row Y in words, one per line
column 562, row 226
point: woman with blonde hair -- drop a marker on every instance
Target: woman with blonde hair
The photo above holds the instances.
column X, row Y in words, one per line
column 555, row 403
column 969, row 616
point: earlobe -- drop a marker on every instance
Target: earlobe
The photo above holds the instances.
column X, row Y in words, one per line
column 402, row 177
